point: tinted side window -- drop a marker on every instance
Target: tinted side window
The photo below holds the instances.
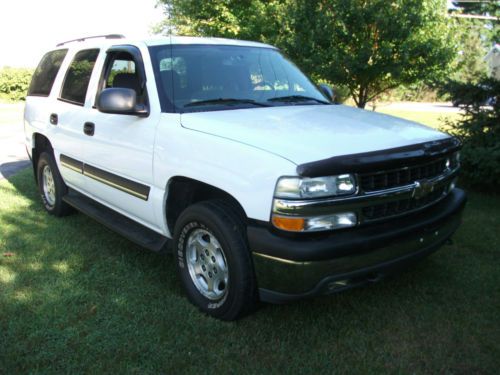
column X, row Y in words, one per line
column 123, row 71
column 120, row 66
column 78, row 75
column 46, row 72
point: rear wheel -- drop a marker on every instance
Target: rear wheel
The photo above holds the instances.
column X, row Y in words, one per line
column 213, row 260
column 51, row 186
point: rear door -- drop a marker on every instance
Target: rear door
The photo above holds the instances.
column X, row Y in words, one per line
column 118, row 154
column 41, row 100
column 70, row 112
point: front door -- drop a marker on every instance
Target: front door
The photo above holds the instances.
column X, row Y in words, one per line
column 118, row 152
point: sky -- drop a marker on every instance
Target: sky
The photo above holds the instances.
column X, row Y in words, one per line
column 29, row 28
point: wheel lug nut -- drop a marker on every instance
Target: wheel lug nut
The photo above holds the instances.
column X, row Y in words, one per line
column 215, row 270
column 209, row 274
column 203, row 268
column 213, row 259
column 206, row 252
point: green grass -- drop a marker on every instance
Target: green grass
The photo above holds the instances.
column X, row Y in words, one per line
column 77, row 298
column 434, row 119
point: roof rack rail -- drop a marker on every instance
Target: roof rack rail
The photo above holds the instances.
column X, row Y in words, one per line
column 108, row 36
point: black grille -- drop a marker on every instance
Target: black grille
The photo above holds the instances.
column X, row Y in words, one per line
column 402, row 176
column 401, row 206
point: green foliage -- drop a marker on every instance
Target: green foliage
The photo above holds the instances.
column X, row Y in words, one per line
column 14, row 83
column 369, row 47
column 490, row 32
column 479, row 130
column 472, row 45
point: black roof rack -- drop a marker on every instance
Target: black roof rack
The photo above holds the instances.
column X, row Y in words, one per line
column 108, row 36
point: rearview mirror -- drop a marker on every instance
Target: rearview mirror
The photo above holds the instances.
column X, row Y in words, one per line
column 120, row 100
column 327, row 92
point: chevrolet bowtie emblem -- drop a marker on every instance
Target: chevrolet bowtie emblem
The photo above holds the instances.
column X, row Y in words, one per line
column 422, row 188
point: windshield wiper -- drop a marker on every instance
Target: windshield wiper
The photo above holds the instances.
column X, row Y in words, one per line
column 296, row 98
column 226, row 101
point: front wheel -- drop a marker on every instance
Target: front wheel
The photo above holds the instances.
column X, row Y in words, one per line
column 213, row 260
column 51, row 186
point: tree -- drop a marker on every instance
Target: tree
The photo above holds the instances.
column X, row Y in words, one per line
column 369, row 46
column 479, row 130
column 468, row 64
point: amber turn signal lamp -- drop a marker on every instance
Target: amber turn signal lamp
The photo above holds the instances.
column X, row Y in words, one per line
column 291, row 224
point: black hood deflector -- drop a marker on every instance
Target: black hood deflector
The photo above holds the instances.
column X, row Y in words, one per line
column 380, row 160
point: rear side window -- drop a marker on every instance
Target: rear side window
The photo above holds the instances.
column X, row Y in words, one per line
column 46, row 72
column 78, row 75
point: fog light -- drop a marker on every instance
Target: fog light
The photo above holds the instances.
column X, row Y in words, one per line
column 315, row 224
column 334, row 221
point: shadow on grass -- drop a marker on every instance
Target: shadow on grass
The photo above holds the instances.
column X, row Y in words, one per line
column 9, row 169
column 76, row 297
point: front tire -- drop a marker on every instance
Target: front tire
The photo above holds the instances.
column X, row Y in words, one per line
column 51, row 186
column 213, row 260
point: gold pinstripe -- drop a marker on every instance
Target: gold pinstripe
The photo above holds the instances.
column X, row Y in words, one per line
column 116, row 186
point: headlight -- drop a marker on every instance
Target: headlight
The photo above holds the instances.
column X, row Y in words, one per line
column 291, row 188
column 316, row 187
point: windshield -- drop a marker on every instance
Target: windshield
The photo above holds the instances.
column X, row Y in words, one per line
column 193, row 78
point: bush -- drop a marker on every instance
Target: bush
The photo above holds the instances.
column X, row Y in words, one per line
column 479, row 130
column 14, row 83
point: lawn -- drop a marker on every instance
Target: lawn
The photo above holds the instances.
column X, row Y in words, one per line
column 77, row 298
column 434, row 119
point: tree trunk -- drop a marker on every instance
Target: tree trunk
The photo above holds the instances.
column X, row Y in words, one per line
column 362, row 97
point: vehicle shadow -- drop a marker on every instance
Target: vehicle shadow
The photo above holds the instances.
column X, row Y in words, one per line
column 11, row 168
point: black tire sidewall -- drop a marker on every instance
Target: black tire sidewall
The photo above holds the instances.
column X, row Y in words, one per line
column 235, row 251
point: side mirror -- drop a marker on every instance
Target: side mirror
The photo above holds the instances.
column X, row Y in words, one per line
column 327, row 92
column 122, row 101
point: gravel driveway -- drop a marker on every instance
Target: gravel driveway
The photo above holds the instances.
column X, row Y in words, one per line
column 443, row 107
column 13, row 156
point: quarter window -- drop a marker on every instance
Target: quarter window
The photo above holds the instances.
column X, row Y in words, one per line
column 46, row 72
column 78, row 76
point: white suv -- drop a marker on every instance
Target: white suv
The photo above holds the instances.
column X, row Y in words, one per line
column 224, row 152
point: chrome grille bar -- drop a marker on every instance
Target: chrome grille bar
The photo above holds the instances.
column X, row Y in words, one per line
column 367, row 203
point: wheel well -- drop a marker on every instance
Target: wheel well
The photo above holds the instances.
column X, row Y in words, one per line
column 183, row 192
column 40, row 144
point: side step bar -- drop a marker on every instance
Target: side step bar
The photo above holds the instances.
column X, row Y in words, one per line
column 115, row 221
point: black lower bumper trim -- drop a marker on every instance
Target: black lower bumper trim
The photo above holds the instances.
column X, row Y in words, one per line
column 342, row 282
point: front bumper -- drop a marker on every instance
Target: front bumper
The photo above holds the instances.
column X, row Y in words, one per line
column 289, row 268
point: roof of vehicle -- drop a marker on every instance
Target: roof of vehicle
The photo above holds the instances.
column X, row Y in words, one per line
column 160, row 40
column 199, row 40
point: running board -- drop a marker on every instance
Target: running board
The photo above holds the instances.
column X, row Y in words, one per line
column 117, row 222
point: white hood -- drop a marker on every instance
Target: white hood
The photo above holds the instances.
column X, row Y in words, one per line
column 306, row 133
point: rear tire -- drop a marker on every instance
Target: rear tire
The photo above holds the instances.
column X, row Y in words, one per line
column 213, row 260
column 51, row 186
